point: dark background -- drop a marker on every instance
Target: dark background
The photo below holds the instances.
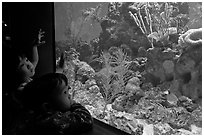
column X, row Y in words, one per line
column 24, row 20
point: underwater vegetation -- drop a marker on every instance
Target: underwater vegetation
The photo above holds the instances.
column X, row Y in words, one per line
column 143, row 74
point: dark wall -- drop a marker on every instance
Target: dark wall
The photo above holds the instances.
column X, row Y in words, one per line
column 25, row 19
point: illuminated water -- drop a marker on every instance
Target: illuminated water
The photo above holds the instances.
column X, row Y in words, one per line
column 127, row 66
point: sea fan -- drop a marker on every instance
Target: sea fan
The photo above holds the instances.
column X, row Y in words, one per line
column 114, row 74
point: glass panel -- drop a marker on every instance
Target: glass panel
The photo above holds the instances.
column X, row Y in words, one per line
column 136, row 66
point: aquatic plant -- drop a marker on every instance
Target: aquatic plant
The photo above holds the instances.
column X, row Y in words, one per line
column 135, row 12
column 158, row 20
column 114, row 74
column 162, row 111
column 151, row 111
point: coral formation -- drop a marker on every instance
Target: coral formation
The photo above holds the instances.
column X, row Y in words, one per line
column 143, row 74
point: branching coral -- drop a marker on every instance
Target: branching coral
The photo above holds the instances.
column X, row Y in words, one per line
column 114, row 74
column 158, row 107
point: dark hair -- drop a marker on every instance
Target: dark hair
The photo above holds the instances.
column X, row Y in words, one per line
column 40, row 89
column 10, row 62
column 16, row 61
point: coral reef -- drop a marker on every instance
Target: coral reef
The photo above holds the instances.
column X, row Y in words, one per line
column 150, row 115
column 143, row 74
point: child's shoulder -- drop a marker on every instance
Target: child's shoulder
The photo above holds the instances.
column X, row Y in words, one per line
column 72, row 121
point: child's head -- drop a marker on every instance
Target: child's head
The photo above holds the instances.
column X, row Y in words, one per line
column 50, row 90
column 17, row 66
column 25, row 68
column 22, row 67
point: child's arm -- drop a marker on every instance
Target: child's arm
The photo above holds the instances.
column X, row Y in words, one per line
column 35, row 57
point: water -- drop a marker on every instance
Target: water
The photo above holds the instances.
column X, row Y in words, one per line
column 132, row 64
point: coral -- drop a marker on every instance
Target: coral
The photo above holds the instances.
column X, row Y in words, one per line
column 163, row 129
column 182, row 70
column 187, row 103
column 191, row 37
column 189, row 66
column 89, row 83
column 84, row 70
column 148, row 116
column 149, row 70
column 112, row 77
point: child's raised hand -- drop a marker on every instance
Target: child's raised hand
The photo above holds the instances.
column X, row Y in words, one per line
column 40, row 36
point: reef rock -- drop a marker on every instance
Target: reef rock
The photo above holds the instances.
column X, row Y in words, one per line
column 133, row 93
column 183, row 70
column 188, row 68
column 159, row 66
column 84, row 71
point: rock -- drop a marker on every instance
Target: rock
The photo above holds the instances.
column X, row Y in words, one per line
column 139, row 129
column 119, row 103
column 196, row 130
column 151, row 80
column 94, row 89
column 197, row 116
column 163, row 129
column 168, row 66
column 179, row 118
column 89, row 83
column 133, row 91
column 148, row 129
column 188, row 67
column 184, row 70
column 84, row 68
column 187, row 103
column 160, row 65
column 190, row 74
column 172, row 99
column 131, row 88
column 184, row 99
column 135, row 81
column 78, row 70
column 109, row 107
column 184, row 132
column 185, row 65
column 146, row 86
column 192, row 90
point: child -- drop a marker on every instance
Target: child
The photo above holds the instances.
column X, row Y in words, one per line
column 20, row 71
column 51, row 110
column 26, row 68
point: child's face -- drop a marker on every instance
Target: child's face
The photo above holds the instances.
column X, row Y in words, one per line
column 62, row 98
column 26, row 68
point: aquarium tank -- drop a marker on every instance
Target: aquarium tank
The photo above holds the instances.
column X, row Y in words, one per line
column 136, row 66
